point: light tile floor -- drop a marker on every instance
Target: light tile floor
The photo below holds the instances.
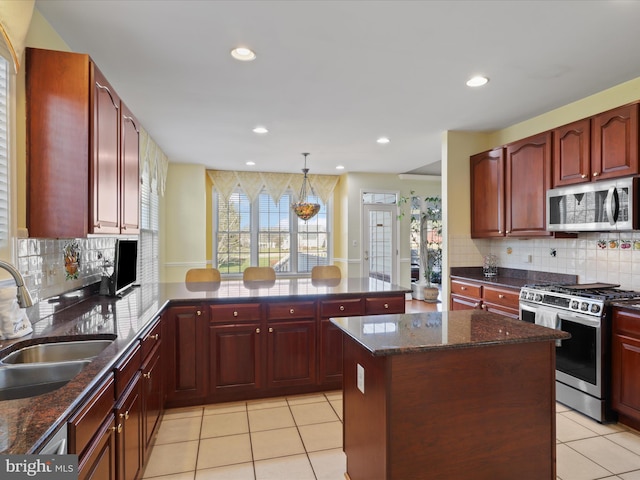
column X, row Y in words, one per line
column 300, row 437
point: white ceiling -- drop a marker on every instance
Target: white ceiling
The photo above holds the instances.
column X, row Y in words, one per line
column 332, row 76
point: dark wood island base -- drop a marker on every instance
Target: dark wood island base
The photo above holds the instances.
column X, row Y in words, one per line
column 477, row 401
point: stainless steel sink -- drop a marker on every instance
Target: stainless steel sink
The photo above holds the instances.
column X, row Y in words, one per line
column 23, row 381
column 57, row 352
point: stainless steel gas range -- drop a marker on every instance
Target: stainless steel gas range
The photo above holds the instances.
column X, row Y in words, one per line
column 583, row 362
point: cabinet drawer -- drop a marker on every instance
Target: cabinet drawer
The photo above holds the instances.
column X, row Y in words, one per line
column 237, row 312
column 382, row 305
column 341, row 308
column 626, row 323
column 283, row 311
column 127, row 368
column 501, row 296
column 151, row 339
column 466, row 289
column 84, row 424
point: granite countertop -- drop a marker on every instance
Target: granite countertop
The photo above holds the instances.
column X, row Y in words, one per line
column 25, row 424
column 420, row 332
column 627, row 304
column 511, row 277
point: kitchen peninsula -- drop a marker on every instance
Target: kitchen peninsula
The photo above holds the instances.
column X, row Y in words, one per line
column 441, row 395
column 163, row 318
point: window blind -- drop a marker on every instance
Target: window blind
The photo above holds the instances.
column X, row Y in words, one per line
column 4, row 153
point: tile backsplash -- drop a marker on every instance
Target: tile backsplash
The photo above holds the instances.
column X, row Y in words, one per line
column 42, row 263
column 593, row 257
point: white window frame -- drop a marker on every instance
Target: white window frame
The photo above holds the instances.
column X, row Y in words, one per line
column 254, row 235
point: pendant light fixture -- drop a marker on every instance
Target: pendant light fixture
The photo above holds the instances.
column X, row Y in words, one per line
column 302, row 208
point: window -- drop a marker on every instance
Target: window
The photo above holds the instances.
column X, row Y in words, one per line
column 266, row 233
column 4, row 155
column 148, row 256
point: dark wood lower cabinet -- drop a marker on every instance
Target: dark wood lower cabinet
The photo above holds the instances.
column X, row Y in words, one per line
column 330, row 354
column 99, row 462
column 152, row 397
column 186, row 354
column 291, row 353
column 625, row 366
column 235, row 365
column 129, row 432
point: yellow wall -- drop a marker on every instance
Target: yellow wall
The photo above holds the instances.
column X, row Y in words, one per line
column 183, row 228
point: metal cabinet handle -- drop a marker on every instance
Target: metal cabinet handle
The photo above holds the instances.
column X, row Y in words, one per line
column 595, row 174
column 125, row 415
column 291, row 311
column 386, row 305
column 153, row 337
column 583, row 176
column 117, row 429
column 342, row 308
column 235, row 313
column 147, row 375
column 257, row 330
column 476, row 305
column 463, row 288
column 500, row 295
column 270, row 330
column 198, row 313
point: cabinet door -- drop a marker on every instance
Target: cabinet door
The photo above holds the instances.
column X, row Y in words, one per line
column 291, row 353
column 235, row 358
column 186, row 355
column 57, row 88
column 626, row 365
column 330, row 353
column 105, row 158
column 100, row 461
column 528, row 177
column 572, row 153
column 615, row 143
column 129, row 432
column 152, row 396
column 487, row 194
column 130, row 173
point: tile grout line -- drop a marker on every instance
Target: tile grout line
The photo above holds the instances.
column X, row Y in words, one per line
column 295, row 422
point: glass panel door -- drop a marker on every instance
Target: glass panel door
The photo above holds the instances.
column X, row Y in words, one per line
column 379, row 248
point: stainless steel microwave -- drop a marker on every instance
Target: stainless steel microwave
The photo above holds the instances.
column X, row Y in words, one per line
column 608, row 205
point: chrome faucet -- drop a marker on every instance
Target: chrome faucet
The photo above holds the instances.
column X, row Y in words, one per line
column 24, row 297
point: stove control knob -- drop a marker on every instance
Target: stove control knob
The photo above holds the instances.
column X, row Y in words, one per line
column 595, row 308
column 575, row 304
column 538, row 297
column 584, row 306
column 530, row 296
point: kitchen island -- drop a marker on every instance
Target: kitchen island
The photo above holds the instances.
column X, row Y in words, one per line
column 454, row 394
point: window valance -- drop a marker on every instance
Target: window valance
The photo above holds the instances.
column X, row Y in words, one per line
column 275, row 184
column 153, row 158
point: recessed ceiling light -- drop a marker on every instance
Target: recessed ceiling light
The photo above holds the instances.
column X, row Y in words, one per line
column 243, row 54
column 383, row 140
column 477, row 81
column 260, row 130
column 250, row 163
column 340, row 167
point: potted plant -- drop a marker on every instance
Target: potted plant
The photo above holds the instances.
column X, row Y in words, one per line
column 426, row 229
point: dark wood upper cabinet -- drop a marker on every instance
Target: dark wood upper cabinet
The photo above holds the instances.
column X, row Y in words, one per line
column 82, row 150
column 528, row 177
column 572, row 153
column 615, row 143
column 487, row 194
column 130, row 176
column 105, row 158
